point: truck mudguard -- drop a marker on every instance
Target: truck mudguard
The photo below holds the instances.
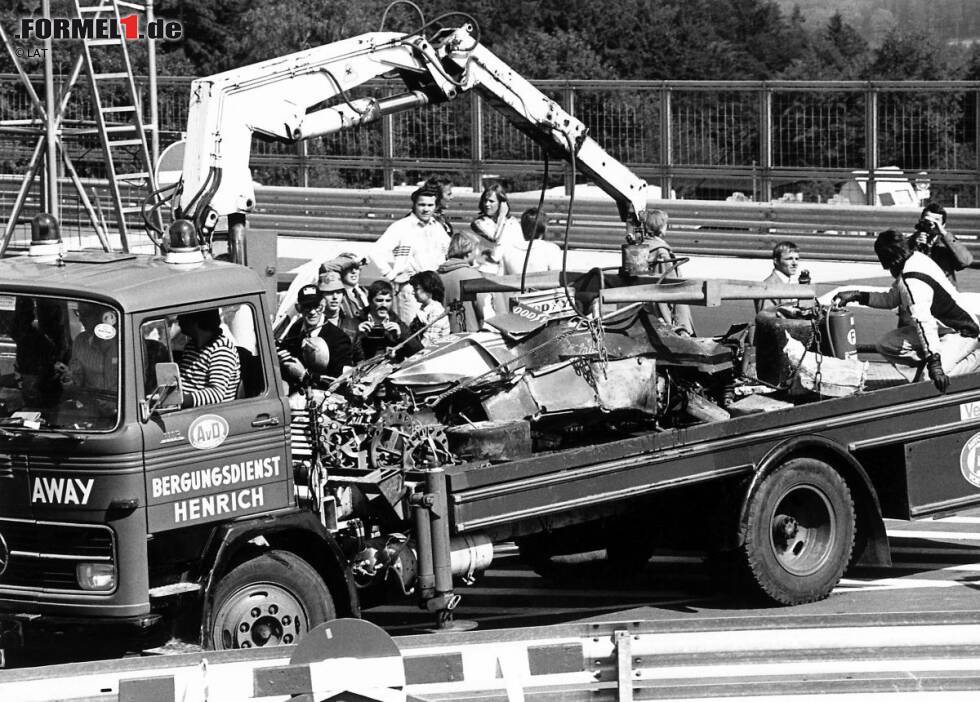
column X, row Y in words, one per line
column 293, row 530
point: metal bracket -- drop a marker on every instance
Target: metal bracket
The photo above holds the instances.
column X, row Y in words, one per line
column 624, row 665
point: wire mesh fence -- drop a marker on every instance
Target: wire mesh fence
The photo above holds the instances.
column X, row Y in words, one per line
column 694, row 139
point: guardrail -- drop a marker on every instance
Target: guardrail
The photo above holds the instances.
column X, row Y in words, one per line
column 883, row 655
column 747, row 229
column 696, row 226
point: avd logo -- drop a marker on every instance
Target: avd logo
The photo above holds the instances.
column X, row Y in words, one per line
column 970, row 460
column 207, row 431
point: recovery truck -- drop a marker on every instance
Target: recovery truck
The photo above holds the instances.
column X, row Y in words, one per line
column 122, row 508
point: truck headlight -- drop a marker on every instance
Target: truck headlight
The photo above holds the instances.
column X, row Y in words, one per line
column 96, row 576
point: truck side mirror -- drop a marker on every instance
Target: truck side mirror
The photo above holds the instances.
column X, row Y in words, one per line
column 168, row 395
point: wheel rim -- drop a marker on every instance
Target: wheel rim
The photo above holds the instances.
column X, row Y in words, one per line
column 259, row 615
column 803, row 530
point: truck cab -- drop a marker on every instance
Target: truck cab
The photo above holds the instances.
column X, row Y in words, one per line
column 107, row 496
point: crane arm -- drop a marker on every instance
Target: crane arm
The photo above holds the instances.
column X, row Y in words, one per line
column 283, row 99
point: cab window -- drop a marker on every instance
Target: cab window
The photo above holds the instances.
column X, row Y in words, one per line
column 59, row 363
column 216, row 349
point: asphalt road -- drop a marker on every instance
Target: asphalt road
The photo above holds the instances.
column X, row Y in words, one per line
column 934, row 577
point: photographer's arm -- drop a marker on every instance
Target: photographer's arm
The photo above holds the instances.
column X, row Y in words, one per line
column 961, row 254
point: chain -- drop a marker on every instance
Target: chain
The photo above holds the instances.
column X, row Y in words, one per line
column 814, row 340
column 598, row 333
column 818, row 343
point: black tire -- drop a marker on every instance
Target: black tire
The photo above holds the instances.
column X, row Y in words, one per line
column 569, row 554
column 538, row 553
column 563, row 555
column 800, row 532
column 630, row 543
column 270, row 600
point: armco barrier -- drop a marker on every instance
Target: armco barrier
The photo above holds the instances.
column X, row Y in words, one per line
column 696, row 226
column 849, row 655
column 832, row 232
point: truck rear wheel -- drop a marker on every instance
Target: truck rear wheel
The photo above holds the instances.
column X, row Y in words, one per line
column 270, row 600
column 800, row 532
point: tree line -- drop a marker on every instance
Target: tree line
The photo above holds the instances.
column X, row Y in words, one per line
column 581, row 39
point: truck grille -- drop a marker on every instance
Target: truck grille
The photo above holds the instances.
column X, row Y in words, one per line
column 43, row 555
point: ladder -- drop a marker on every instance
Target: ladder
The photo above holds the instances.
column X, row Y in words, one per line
column 119, row 123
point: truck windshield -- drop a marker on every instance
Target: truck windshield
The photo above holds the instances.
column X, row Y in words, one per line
column 59, row 363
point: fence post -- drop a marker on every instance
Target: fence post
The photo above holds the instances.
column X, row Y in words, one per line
column 871, row 146
column 666, row 142
column 388, row 150
column 568, row 97
column 765, row 144
column 302, row 149
column 476, row 127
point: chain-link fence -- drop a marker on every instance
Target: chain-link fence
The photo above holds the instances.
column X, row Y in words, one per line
column 693, row 139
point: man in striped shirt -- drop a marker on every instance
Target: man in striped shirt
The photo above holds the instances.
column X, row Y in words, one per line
column 209, row 367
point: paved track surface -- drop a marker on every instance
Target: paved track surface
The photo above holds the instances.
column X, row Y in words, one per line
column 935, row 573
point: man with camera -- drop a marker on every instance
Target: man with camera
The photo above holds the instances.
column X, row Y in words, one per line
column 933, row 239
column 378, row 329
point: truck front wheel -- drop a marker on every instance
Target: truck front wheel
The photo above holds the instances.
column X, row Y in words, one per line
column 270, row 600
column 800, row 532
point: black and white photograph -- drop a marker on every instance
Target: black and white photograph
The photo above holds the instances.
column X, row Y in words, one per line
column 423, row 351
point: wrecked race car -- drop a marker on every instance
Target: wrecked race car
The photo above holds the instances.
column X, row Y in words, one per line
column 566, row 366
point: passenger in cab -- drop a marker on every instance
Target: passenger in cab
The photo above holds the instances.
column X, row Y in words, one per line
column 209, row 366
column 931, row 303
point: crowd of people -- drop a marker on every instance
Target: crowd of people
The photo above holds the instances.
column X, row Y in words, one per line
column 336, row 322
column 418, row 299
column 424, row 261
column 937, row 332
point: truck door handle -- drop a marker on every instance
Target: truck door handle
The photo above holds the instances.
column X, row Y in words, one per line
column 265, row 421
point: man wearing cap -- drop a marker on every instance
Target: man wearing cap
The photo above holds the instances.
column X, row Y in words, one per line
column 299, row 354
column 411, row 245
column 332, row 290
column 348, row 267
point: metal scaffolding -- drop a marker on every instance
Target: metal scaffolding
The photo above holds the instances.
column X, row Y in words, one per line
column 48, row 127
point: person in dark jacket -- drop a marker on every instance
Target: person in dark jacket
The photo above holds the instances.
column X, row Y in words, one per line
column 463, row 250
column 933, row 239
column 298, row 356
column 378, row 329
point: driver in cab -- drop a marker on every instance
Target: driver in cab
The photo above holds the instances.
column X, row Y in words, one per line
column 91, row 377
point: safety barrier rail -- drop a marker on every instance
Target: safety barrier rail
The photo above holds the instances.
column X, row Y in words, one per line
column 352, row 659
column 832, row 232
column 748, row 229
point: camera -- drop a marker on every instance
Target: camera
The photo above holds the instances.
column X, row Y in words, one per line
column 930, row 229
